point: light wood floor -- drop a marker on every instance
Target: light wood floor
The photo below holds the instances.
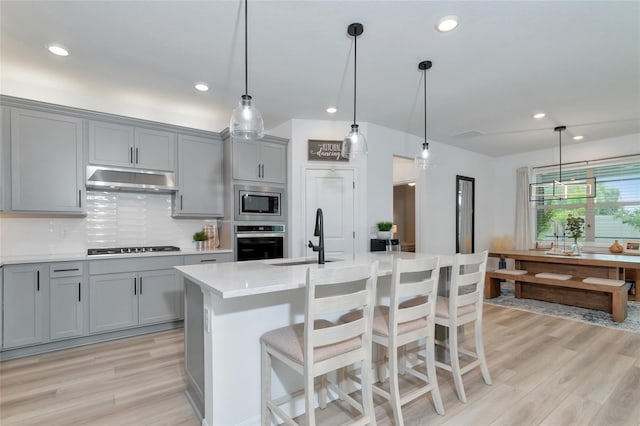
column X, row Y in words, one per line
column 545, row 371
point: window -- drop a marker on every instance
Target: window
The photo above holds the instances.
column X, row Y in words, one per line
column 614, row 214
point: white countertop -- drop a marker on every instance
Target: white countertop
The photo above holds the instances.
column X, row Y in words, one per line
column 70, row 257
column 237, row 279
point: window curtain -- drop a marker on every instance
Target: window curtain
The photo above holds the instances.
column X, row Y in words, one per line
column 524, row 212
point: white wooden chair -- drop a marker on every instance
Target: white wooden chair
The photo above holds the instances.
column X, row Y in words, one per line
column 319, row 346
column 463, row 306
column 395, row 326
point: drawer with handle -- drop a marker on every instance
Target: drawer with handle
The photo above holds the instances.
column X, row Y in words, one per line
column 65, row 269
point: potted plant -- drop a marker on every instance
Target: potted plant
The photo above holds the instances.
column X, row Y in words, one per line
column 575, row 227
column 200, row 237
column 384, row 230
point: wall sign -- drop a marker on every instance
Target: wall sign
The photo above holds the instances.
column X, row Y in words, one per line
column 325, row 151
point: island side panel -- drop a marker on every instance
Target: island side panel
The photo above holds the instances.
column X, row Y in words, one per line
column 232, row 352
column 194, row 345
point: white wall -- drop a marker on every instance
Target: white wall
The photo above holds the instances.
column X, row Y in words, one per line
column 29, row 83
column 436, row 185
column 299, row 132
column 504, row 192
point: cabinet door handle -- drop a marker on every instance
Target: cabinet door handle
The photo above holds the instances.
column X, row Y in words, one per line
column 207, row 260
column 181, row 202
column 135, row 287
column 80, row 198
column 79, row 292
column 259, row 170
column 38, row 280
column 137, row 156
column 131, row 155
column 140, row 292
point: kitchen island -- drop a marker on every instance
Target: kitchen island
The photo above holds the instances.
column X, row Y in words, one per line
column 228, row 306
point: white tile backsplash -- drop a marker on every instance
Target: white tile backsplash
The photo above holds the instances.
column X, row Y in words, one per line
column 113, row 219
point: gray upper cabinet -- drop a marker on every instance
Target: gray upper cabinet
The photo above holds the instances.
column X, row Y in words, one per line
column 200, row 178
column 259, row 161
column 46, row 162
column 23, row 293
column 126, row 146
column 111, row 144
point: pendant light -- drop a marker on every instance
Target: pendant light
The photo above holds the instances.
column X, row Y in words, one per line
column 355, row 143
column 574, row 188
column 246, row 121
column 422, row 159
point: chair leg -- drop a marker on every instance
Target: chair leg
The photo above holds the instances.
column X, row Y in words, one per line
column 366, row 389
column 480, row 351
column 394, row 386
column 381, row 355
column 455, row 362
column 402, row 359
column 266, row 386
column 322, row 394
column 309, row 396
column 432, row 375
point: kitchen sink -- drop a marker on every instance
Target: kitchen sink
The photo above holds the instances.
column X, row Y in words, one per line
column 301, row 262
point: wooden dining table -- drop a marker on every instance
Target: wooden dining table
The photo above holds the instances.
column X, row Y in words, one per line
column 572, row 291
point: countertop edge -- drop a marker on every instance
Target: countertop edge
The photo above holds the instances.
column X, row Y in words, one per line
column 71, row 257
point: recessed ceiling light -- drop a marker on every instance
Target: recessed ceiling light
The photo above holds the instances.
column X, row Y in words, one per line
column 578, row 138
column 411, row 184
column 447, row 23
column 539, row 115
column 332, row 110
column 201, row 87
column 58, row 50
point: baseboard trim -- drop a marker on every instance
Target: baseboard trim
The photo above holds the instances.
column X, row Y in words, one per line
column 86, row 340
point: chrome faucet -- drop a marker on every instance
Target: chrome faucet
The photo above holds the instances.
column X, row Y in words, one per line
column 318, row 232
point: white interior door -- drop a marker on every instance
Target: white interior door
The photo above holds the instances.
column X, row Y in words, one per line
column 333, row 192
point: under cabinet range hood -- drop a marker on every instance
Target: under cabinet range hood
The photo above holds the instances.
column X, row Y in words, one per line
column 115, row 179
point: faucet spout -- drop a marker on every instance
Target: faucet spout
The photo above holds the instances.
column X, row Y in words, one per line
column 319, row 232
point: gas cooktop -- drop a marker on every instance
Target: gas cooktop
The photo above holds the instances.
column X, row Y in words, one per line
column 130, row 250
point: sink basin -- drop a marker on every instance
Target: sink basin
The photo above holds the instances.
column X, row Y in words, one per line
column 300, row 262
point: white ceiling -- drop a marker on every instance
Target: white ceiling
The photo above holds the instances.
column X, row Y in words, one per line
column 577, row 61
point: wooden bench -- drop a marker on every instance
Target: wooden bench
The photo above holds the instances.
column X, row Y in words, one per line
column 611, row 298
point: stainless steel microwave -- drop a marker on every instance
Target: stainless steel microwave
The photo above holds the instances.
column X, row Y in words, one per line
column 259, row 203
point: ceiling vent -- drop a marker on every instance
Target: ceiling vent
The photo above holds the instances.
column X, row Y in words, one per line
column 469, row 134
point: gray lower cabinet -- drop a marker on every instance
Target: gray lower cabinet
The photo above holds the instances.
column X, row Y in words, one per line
column 159, row 296
column 126, row 293
column 200, row 163
column 46, row 162
column 113, row 302
column 66, row 307
column 23, row 295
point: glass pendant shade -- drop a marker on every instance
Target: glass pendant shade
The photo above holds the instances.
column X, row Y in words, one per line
column 422, row 158
column 354, row 144
column 246, row 121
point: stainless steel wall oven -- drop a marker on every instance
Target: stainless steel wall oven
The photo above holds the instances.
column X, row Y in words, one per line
column 255, row 242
